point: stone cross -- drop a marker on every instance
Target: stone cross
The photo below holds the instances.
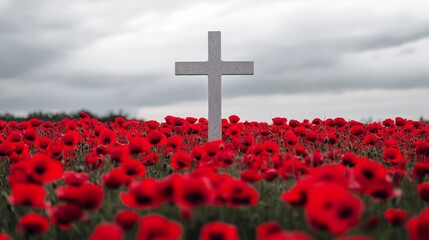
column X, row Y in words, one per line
column 214, row 68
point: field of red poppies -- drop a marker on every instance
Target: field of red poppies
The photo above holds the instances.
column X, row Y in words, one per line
column 287, row 179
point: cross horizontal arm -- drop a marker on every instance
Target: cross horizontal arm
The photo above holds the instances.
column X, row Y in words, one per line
column 237, row 68
column 191, row 68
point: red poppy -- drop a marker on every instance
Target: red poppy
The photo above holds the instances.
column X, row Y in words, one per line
column 150, row 158
column 6, row 148
column 192, row 191
column 266, row 230
column 396, row 217
column 142, row 195
column 33, row 224
column 30, row 195
column 156, row 138
column 278, row 121
column 75, row 179
column 331, row 207
column 357, row 130
column 115, row 178
column 174, row 143
column 219, row 230
column 107, row 136
column 107, row 231
column 64, row 215
column 43, row 169
column 393, row 156
column 152, row 124
column 30, row 134
column 250, row 175
column 311, row 136
column 422, row 147
column 418, row 226
column 423, row 191
column 236, row 193
column 297, row 195
column 348, row 159
column 88, row 196
column 4, row 237
column 71, row 139
column 133, row 168
column 138, row 145
column 118, row 153
column 154, row 226
column 126, row 219
column 14, row 137
column 94, row 161
column 180, row 161
column 56, row 150
column 35, row 122
column 42, row 142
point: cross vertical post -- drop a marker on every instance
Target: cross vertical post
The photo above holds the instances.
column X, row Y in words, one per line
column 214, row 68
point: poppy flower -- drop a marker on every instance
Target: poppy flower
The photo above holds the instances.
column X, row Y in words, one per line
column 30, row 134
column 367, row 170
column 154, row 226
column 174, row 143
column 35, row 122
column 6, row 148
column 33, row 224
column 115, row 178
column 212, row 148
column 150, row 158
column 4, row 237
column 268, row 229
column 152, row 124
column 156, row 138
column 138, row 145
column 107, row 136
column 64, row 215
column 278, row 121
column 107, row 231
column 88, row 196
column 422, row 147
column 331, row 207
column 14, row 137
column 42, row 142
column 270, row 174
column 74, row 178
column 357, row 130
column 71, row 139
column 180, row 160
column 418, row 226
column 43, row 169
column 393, row 156
column 126, row 219
column 219, row 230
column 133, row 168
column 142, row 195
column 192, row 191
column 348, row 159
column 30, row 195
column 297, row 195
column 94, row 161
column 396, row 217
column 423, row 191
column 250, row 175
column 118, row 153
column 236, row 193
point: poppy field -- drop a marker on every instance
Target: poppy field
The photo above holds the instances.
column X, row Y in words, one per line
column 286, row 179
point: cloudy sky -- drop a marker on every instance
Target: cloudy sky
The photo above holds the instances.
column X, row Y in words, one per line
column 313, row 58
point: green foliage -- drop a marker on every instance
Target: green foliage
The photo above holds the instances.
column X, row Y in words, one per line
column 58, row 116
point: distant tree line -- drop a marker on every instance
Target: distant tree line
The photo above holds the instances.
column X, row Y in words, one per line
column 58, row 116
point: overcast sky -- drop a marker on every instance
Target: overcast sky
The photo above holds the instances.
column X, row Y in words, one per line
column 313, row 58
